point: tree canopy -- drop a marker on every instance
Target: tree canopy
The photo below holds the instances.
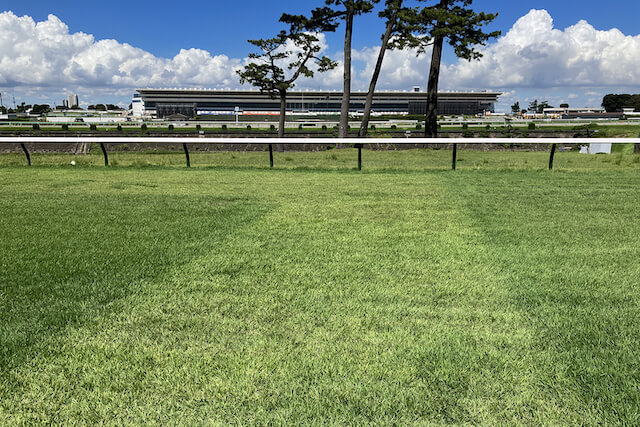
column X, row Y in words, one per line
column 282, row 59
column 614, row 103
column 454, row 22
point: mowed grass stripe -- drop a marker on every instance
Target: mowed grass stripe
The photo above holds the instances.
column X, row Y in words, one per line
column 345, row 298
column 569, row 257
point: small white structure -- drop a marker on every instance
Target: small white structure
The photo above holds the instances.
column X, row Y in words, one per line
column 596, row 149
column 600, row 148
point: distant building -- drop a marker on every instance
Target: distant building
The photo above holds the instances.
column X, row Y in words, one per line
column 73, row 101
column 549, row 111
column 630, row 112
column 65, row 103
column 573, row 113
column 191, row 102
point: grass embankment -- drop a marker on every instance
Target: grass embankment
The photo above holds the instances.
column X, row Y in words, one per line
column 238, row 295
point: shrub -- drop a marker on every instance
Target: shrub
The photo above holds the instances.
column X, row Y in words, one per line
column 418, row 126
column 468, row 134
column 144, row 126
column 198, row 127
column 324, row 127
column 92, row 126
column 488, row 127
column 224, row 127
column 65, row 127
column 394, row 127
column 170, row 127
column 300, row 127
column 532, row 126
column 465, row 126
column 272, row 127
column 372, row 127
column 119, row 128
column 36, row 126
column 248, row 127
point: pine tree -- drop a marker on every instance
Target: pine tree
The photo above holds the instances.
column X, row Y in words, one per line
column 281, row 61
column 328, row 18
column 393, row 37
column 454, row 22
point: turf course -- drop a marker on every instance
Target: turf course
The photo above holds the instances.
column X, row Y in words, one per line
column 497, row 294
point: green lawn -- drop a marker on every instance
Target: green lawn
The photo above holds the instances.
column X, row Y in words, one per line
column 404, row 294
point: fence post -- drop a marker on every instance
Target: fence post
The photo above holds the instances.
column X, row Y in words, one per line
column 26, row 153
column 186, row 153
column 104, row 152
column 553, row 153
column 455, row 157
column 359, row 147
column 271, row 156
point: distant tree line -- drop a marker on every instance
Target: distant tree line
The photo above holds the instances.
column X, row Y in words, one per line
column 41, row 109
column 25, row 108
column 614, row 103
column 103, row 107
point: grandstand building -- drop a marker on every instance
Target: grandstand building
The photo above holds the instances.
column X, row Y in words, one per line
column 163, row 103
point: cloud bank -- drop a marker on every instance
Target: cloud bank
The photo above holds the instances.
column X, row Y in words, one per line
column 45, row 54
column 533, row 54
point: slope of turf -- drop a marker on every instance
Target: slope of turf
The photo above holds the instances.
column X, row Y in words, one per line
column 228, row 295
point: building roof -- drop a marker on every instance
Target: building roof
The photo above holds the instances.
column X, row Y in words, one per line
column 310, row 93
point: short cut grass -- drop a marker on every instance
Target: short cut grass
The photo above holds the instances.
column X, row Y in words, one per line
column 236, row 295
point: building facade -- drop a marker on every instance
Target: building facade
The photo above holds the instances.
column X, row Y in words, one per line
column 191, row 102
column 73, row 101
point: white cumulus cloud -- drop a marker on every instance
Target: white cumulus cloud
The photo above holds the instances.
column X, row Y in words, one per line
column 535, row 54
column 45, row 54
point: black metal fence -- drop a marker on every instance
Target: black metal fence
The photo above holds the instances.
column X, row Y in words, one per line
column 359, row 144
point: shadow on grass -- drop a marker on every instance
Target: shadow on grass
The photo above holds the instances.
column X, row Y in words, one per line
column 69, row 258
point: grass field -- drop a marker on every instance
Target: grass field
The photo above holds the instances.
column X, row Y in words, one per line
column 147, row 293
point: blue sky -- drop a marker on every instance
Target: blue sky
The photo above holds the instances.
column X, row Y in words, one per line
column 162, row 30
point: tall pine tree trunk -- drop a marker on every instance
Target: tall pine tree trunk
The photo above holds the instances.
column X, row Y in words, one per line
column 281, row 123
column 346, row 94
column 431, row 119
column 364, row 126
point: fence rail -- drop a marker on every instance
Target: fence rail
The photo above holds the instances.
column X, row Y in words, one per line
column 358, row 143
